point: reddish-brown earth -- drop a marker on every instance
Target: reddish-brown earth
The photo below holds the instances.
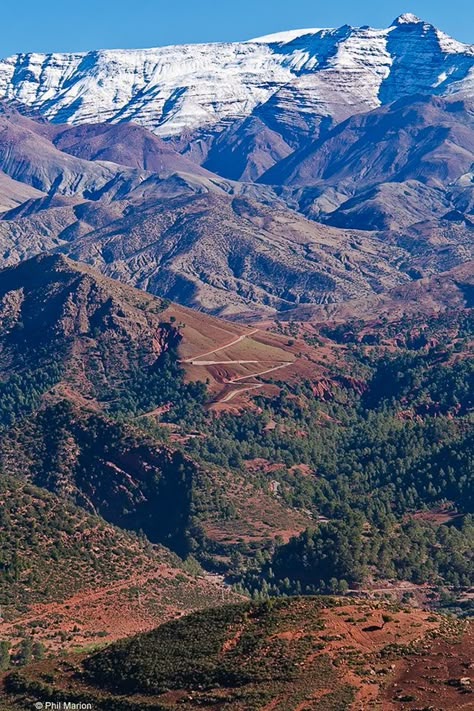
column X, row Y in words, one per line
column 389, row 658
column 99, row 615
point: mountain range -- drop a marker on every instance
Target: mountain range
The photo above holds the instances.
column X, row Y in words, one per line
column 289, row 172
column 315, row 74
column 236, row 290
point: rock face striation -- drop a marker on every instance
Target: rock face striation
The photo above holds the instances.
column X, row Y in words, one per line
column 307, row 167
column 297, row 77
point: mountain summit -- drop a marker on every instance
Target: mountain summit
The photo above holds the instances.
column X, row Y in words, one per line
column 307, row 167
column 294, row 80
column 407, row 18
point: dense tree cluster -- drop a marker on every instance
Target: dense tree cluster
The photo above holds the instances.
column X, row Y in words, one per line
column 373, row 455
column 21, row 393
column 341, row 554
column 404, row 445
column 160, row 384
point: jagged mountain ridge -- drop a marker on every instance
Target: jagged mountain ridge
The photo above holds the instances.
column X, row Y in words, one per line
column 177, row 88
column 314, row 189
column 425, row 138
column 154, row 219
column 160, row 231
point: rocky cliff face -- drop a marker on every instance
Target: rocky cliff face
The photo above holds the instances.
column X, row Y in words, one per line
column 296, row 76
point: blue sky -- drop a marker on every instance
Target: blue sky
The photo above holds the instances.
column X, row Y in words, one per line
column 68, row 25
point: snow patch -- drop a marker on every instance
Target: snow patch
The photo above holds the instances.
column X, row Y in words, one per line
column 300, row 74
column 407, row 18
column 285, row 37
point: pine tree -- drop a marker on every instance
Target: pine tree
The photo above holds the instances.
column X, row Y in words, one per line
column 38, row 650
column 25, row 653
column 4, row 655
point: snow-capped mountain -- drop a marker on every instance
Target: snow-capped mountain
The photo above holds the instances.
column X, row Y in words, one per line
column 293, row 77
column 299, row 169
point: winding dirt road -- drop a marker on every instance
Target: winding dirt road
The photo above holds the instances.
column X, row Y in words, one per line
column 197, row 361
column 262, row 372
column 232, row 394
column 192, row 360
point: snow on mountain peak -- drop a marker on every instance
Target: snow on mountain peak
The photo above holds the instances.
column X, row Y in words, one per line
column 407, row 18
column 284, row 37
column 300, row 75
